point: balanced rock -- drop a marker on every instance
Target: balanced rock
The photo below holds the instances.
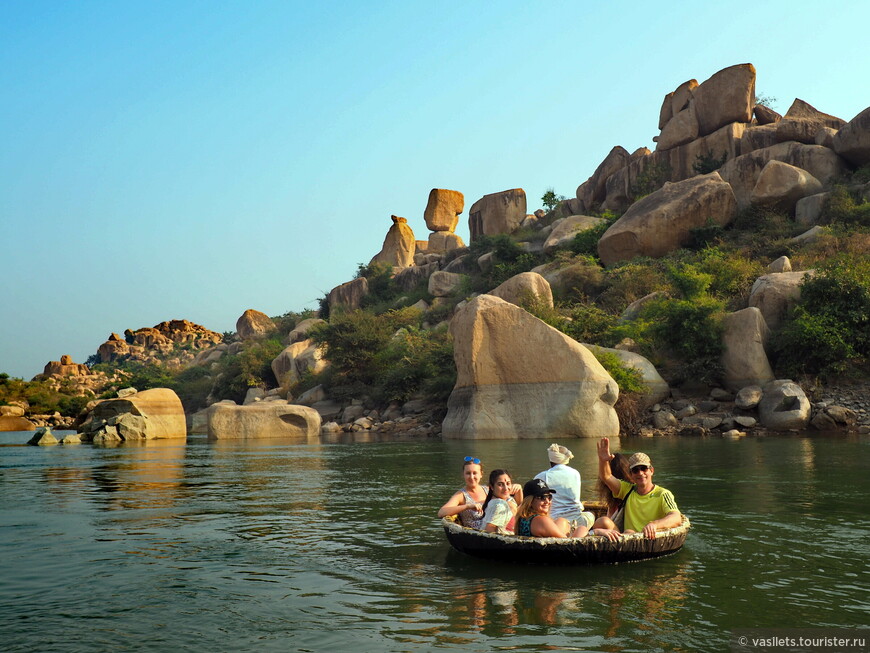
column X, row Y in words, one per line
column 497, row 213
column 254, row 324
column 663, row 221
column 775, row 294
column 519, row 377
column 525, row 289
column 782, row 185
column 728, row 96
column 681, row 129
column 399, row 245
column 852, row 141
column 267, row 419
column 349, row 295
column 443, row 209
column 567, row 228
column 784, row 406
column 744, row 358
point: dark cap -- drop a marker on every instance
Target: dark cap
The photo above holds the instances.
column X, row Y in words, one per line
column 536, row 488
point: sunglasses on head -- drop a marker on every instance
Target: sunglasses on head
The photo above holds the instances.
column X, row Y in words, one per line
column 470, row 459
column 639, row 468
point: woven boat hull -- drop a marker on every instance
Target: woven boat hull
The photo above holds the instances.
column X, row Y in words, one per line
column 568, row 551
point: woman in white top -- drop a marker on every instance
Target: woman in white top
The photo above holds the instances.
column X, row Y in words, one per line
column 500, row 506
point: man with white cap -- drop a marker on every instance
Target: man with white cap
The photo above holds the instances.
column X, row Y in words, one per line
column 565, row 481
column 648, row 507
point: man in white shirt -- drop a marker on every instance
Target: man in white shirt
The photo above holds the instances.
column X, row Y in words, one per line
column 565, row 481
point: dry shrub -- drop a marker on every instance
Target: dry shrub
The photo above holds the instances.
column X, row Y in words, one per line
column 630, row 410
column 828, row 246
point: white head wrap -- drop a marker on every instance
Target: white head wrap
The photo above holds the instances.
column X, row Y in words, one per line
column 559, row 455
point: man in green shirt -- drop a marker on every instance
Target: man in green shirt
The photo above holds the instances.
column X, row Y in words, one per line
column 648, row 507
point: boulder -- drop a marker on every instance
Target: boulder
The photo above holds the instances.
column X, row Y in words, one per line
column 782, row 185
column 681, row 129
column 254, row 324
column 812, row 234
column 443, row 209
column 633, row 310
column 444, row 241
column 72, row 438
column 525, row 289
column 852, row 141
column 809, row 209
column 399, row 245
column 300, row 331
column 782, row 264
column 748, row 398
column 742, row 172
column 517, row 377
column 667, row 110
column 65, row 367
column 825, row 137
column 43, row 437
column 263, row 420
column 114, row 348
column 348, row 296
column 160, row 408
column 564, row 233
column 774, row 294
column 664, row 419
column 497, row 213
column 802, row 123
column 728, row 96
column 784, row 406
column 11, row 411
column 744, row 358
column 197, row 423
column 657, row 388
column 662, row 221
column 757, row 137
column 284, row 364
column 311, row 396
column 442, row 284
column 328, row 409
column 765, row 115
column 593, row 191
column 409, row 278
column 460, row 265
column 253, row 395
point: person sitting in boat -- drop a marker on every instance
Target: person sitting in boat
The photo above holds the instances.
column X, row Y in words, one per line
column 533, row 515
column 648, row 507
column 500, row 506
column 565, row 483
column 467, row 502
column 619, row 469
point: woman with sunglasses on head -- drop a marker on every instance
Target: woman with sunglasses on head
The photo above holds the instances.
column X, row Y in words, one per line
column 467, row 503
column 500, row 506
column 533, row 515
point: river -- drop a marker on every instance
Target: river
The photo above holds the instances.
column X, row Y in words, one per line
column 276, row 546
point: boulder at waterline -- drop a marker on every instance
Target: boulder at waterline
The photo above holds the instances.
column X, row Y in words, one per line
column 160, row 408
column 43, row 437
column 518, row 377
column 15, row 423
column 744, row 358
column 268, row 419
column 784, row 406
column 657, row 388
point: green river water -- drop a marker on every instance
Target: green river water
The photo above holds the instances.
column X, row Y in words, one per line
column 276, row 546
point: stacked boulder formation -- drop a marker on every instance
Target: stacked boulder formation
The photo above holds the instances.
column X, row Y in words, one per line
column 442, row 216
column 164, row 339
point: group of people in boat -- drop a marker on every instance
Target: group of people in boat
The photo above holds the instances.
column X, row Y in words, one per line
column 549, row 505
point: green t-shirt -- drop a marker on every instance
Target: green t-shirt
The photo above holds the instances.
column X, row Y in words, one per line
column 641, row 510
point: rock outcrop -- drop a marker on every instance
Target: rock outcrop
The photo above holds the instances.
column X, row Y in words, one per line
column 443, row 209
column 399, row 245
column 774, row 294
column 744, row 358
column 254, row 324
column 525, row 289
column 497, row 213
column 520, row 378
column 784, row 406
column 349, row 295
column 150, row 414
column 270, row 419
column 852, row 141
column 65, row 367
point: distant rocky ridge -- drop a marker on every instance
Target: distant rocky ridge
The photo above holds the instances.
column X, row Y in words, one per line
column 147, row 344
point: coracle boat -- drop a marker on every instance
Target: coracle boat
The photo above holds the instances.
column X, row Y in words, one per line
column 587, row 550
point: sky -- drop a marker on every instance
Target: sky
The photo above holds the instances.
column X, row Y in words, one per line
column 190, row 160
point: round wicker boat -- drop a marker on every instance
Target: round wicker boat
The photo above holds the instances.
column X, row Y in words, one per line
column 564, row 551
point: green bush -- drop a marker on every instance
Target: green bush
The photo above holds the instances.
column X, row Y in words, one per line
column 707, row 162
column 627, row 378
column 842, row 207
column 650, row 179
column 586, row 242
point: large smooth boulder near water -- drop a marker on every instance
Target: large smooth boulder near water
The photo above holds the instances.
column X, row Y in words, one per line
column 781, row 185
column 300, row 331
column 349, row 295
column 160, row 409
column 525, row 289
column 593, row 191
column 268, row 419
column 443, row 209
column 742, row 172
column 564, row 232
column 728, row 96
column 657, row 388
column 399, row 245
column 802, row 122
column 497, row 213
column 254, row 324
column 775, row 294
column 852, row 141
column 15, row 423
column 518, row 377
column 744, row 358
column 663, row 221
column 784, row 406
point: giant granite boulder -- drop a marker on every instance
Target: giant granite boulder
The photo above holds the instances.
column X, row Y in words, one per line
column 781, row 185
column 802, row 123
column 593, row 191
column 266, row 419
column 497, row 213
column 254, row 324
column 744, row 358
column 348, row 296
column 147, row 415
column 852, row 141
column 775, row 294
column 399, row 245
column 443, row 209
column 517, row 377
column 524, row 289
column 15, row 423
column 728, row 96
column 65, row 367
column 662, row 221
column 563, row 233
column 784, row 406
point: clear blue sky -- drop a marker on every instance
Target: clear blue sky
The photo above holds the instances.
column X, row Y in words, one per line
column 167, row 160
